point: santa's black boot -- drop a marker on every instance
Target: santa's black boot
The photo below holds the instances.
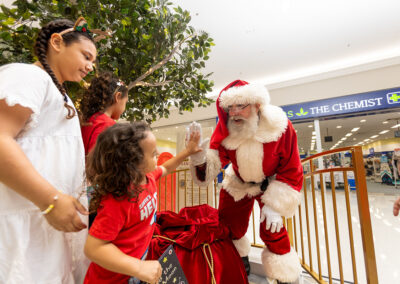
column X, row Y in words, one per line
column 246, row 264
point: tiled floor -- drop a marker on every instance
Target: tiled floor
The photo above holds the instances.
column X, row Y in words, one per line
column 385, row 227
column 255, row 279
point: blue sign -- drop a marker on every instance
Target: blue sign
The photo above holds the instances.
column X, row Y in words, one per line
column 376, row 100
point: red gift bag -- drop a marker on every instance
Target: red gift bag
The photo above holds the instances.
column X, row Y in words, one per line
column 202, row 245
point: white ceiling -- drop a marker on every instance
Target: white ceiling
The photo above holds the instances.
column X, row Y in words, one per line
column 273, row 41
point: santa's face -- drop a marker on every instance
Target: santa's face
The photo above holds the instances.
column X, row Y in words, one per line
column 245, row 123
column 239, row 113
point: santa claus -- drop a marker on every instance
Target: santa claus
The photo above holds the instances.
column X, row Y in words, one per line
column 259, row 142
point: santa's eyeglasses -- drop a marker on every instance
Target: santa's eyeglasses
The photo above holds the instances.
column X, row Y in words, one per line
column 238, row 107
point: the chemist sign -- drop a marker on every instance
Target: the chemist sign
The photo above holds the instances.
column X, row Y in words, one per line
column 376, row 100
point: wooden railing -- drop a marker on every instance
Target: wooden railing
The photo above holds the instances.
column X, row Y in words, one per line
column 321, row 255
column 322, row 183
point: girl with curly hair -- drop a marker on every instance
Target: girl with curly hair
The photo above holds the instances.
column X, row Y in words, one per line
column 122, row 166
column 42, row 160
column 103, row 103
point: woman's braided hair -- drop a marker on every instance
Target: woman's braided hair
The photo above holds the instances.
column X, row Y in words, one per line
column 41, row 48
column 100, row 95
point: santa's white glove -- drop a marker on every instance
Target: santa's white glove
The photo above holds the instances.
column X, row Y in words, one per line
column 200, row 157
column 273, row 219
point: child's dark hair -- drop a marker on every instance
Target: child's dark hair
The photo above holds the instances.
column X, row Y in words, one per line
column 115, row 164
column 100, row 94
column 41, row 47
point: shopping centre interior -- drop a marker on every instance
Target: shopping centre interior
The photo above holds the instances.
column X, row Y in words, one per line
column 304, row 52
column 361, row 68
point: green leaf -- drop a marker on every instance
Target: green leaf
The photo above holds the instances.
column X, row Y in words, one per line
column 146, row 36
column 9, row 21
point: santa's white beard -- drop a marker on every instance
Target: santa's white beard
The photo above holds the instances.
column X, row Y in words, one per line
column 247, row 129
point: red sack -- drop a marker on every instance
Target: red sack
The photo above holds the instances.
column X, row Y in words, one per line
column 202, row 245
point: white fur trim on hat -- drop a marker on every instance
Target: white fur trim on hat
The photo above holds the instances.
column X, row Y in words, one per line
column 212, row 169
column 247, row 94
column 285, row 267
column 236, row 188
column 242, row 246
column 273, row 123
column 282, row 198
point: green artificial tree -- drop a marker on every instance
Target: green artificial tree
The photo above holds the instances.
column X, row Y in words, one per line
column 152, row 48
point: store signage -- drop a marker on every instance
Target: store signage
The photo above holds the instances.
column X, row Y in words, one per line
column 376, row 100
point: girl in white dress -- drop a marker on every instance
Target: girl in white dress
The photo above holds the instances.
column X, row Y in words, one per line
column 42, row 223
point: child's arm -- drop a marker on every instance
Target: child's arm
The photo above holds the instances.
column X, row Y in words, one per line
column 192, row 147
column 19, row 174
column 108, row 256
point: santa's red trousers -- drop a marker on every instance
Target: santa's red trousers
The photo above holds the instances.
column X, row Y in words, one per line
column 236, row 216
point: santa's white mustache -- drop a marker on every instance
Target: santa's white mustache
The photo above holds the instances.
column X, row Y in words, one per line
column 236, row 117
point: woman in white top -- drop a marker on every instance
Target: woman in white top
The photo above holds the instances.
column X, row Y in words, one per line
column 42, row 161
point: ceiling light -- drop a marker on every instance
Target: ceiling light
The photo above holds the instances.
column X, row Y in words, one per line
column 343, row 139
column 156, row 130
column 385, row 122
column 362, row 120
column 355, row 129
column 367, row 139
column 354, row 138
column 339, row 126
column 349, row 134
column 313, row 133
column 394, row 126
column 310, row 126
column 176, row 126
column 374, row 136
column 169, row 138
column 384, row 131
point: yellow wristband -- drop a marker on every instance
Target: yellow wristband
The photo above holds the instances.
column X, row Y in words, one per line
column 51, row 206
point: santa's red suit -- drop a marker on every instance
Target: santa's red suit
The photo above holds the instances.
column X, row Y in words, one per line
column 272, row 153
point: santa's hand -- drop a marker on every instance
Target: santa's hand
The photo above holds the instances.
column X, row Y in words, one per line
column 273, row 220
column 192, row 128
column 200, row 157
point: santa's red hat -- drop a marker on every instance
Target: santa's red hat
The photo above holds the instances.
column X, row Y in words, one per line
column 237, row 92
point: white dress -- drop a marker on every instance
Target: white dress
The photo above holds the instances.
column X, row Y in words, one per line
column 31, row 251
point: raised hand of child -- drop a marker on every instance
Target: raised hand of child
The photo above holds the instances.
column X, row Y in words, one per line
column 150, row 271
column 192, row 144
column 64, row 216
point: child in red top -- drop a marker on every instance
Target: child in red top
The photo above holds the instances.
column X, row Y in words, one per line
column 103, row 103
column 123, row 167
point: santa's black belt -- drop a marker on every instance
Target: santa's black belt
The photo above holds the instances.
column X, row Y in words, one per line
column 263, row 185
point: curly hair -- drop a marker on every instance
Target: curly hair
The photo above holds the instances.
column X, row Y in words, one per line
column 114, row 165
column 41, row 48
column 100, row 94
